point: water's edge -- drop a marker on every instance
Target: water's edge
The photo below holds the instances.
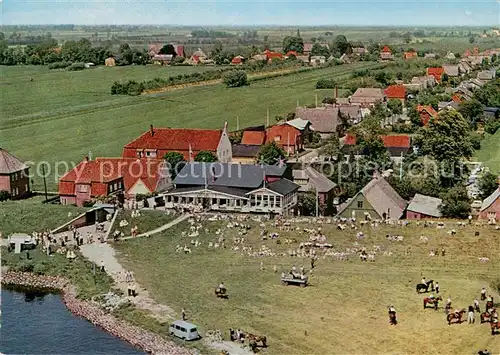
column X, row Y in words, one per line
column 136, row 336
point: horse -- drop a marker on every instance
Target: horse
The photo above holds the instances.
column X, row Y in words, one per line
column 425, row 286
column 453, row 315
column 257, row 339
column 392, row 318
column 486, row 316
column 494, row 326
column 434, row 302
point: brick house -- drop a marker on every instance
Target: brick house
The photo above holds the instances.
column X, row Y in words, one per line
column 426, row 112
column 107, row 176
column 287, row 137
column 436, row 72
column 397, row 92
column 490, row 208
column 157, row 142
column 14, row 175
column 386, row 53
column 422, row 206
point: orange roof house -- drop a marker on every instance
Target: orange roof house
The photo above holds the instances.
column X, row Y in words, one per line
column 294, row 53
column 238, row 60
column 272, row 55
column 437, row 73
column 410, row 55
column 426, row 112
column 253, row 137
column 396, row 92
column 156, row 142
column 286, row 136
column 395, row 144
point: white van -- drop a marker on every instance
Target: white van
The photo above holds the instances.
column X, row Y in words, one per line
column 184, row 330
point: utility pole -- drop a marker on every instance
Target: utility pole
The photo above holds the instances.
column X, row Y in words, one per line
column 297, row 103
column 401, row 167
column 44, row 183
column 267, row 118
column 237, row 123
column 316, row 100
column 317, row 204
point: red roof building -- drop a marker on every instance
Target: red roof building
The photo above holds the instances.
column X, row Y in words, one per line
column 456, row 98
column 437, row 73
column 286, row 136
column 14, row 175
column 157, row 142
column 107, row 176
column 396, row 92
column 237, row 60
column 272, row 55
column 397, row 145
column 294, row 53
column 426, row 112
column 253, row 137
column 386, row 49
column 410, row 55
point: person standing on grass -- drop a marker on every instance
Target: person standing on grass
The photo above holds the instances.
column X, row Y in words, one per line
column 470, row 315
column 476, row 306
column 483, row 294
column 102, row 266
column 436, row 287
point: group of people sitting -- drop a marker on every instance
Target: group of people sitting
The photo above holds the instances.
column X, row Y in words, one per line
column 294, row 274
column 236, row 335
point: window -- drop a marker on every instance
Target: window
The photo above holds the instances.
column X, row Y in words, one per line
column 115, row 186
column 277, row 138
column 83, row 188
column 148, row 154
column 360, row 204
column 192, row 330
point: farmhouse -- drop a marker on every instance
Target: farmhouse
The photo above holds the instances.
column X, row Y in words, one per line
column 368, row 97
column 245, row 153
column 157, row 142
column 452, row 71
column 270, row 56
column 410, row 55
column 162, row 59
column 234, row 188
column 251, row 137
column 397, row 92
column 288, row 137
column 109, row 176
column 309, row 179
column 436, row 72
column 377, row 200
column 386, row 53
column 426, row 112
column 324, row 120
column 422, row 206
column 486, row 75
column 14, row 175
column 238, row 60
column 490, row 209
column 397, row 145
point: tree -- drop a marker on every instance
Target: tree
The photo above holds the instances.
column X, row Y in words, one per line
column 487, row 184
column 235, row 78
column 445, row 138
column 395, row 106
column 206, row 156
column 307, row 203
column 175, row 163
column 331, row 148
column 168, row 49
column 383, row 77
column 318, row 49
column 340, row 45
column 124, row 47
column 326, row 84
column 472, row 39
column 456, row 203
column 271, row 153
column 293, row 44
column 4, row 195
column 472, row 110
column 489, row 94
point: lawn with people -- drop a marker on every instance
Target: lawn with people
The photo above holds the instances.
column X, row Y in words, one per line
column 344, row 309
column 489, row 154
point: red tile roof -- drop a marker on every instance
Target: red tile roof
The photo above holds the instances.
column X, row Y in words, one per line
column 282, row 134
column 253, row 137
column 271, row 55
column 294, row 53
column 178, row 139
column 179, row 50
column 104, row 170
column 456, row 98
column 436, row 73
column 236, row 60
column 395, row 92
column 395, row 141
column 408, row 55
column 386, row 49
column 427, row 108
column 10, row 164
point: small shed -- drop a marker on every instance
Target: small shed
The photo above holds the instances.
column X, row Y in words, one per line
column 422, row 206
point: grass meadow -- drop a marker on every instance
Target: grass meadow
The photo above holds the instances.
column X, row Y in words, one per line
column 147, row 221
column 344, row 310
column 489, row 153
column 62, row 116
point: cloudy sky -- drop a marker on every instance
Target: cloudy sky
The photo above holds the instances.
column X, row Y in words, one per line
column 255, row 12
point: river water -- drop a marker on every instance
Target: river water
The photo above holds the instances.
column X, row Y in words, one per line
column 39, row 323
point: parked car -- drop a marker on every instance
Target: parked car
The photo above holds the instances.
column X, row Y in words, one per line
column 184, row 330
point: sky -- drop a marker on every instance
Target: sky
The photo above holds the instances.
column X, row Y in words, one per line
column 255, row 12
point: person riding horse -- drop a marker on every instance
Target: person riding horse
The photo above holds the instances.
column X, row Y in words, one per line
column 392, row 315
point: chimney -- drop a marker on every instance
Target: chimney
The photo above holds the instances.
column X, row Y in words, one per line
column 151, row 130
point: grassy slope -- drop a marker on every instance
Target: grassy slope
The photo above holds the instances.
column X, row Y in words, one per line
column 105, row 129
column 31, row 215
column 147, row 221
column 489, row 153
column 344, row 309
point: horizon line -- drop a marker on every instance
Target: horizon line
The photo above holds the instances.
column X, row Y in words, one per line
column 493, row 26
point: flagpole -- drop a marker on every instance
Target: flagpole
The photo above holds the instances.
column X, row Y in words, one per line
column 317, row 204
column 401, row 167
column 237, row 123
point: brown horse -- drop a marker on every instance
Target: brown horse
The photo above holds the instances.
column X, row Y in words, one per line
column 453, row 315
column 494, row 326
column 432, row 301
column 486, row 316
column 257, row 339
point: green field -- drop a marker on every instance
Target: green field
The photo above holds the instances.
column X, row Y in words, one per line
column 343, row 311
column 489, row 153
column 67, row 114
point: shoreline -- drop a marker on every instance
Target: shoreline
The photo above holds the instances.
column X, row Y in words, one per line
column 142, row 339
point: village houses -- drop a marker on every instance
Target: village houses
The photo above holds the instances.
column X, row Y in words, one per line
column 14, row 175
